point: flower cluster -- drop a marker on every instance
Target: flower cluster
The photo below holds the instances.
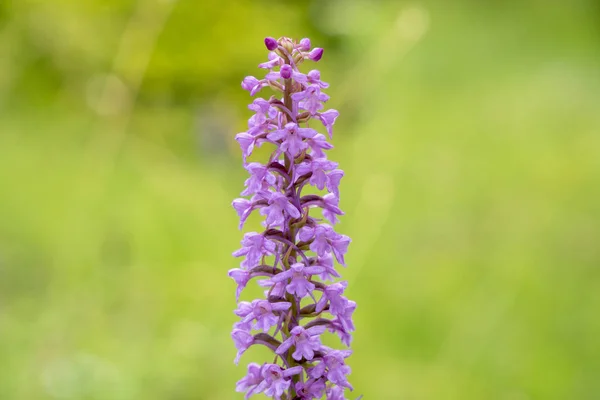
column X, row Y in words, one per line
column 295, row 255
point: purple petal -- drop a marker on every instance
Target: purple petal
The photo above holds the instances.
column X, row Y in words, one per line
column 249, row 83
column 306, row 233
column 246, row 142
column 283, row 347
column 277, row 135
column 281, row 306
column 307, row 132
column 315, row 330
column 282, row 276
column 292, row 371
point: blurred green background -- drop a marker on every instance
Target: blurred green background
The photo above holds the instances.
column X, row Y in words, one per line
column 470, row 137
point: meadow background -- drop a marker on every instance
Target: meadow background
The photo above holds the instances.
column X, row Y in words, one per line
column 470, row 137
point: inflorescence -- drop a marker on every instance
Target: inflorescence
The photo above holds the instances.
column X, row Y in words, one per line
column 296, row 253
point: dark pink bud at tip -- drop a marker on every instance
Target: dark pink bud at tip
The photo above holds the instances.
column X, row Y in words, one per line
column 286, row 71
column 304, row 44
column 270, row 43
column 316, row 54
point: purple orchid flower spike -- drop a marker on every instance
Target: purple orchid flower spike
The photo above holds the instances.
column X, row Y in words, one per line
column 296, row 257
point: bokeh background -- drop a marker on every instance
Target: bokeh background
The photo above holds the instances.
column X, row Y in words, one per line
column 470, row 137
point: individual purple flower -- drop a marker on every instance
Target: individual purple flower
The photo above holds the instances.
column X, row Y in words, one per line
column 311, row 99
column 278, row 205
column 332, row 295
column 260, row 179
column 262, row 312
column 261, row 121
column 298, row 275
column 333, row 181
column 319, row 169
column 246, row 142
column 330, row 208
column 244, row 308
column 333, row 366
column 261, row 107
column 337, row 370
column 241, row 278
column 276, row 380
column 250, row 382
column 328, row 118
column 252, row 85
column 242, row 340
column 292, row 137
column 344, row 334
column 344, row 317
column 314, row 77
column 326, row 240
column 311, row 389
column 335, row 393
column 254, row 247
column 329, row 273
column 317, row 144
column 274, row 60
column 255, row 128
column 243, row 207
column 342, row 325
column 305, row 342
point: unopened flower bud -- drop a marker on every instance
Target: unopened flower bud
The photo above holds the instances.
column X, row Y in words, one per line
column 271, row 43
column 286, row 71
column 304, row 44
column 316, row 54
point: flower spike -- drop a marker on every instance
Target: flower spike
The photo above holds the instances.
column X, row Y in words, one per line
column 296, row 256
